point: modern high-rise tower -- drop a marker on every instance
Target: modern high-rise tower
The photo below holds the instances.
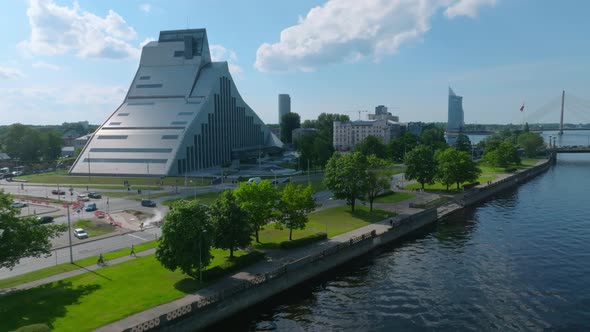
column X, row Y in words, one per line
column 456, row 122
column 182, row 113
column 284, row 106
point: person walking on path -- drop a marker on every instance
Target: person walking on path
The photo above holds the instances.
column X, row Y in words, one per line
column 132, row 251
column 100, row 260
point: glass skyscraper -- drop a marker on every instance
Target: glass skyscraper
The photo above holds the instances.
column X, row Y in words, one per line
column 455, row 123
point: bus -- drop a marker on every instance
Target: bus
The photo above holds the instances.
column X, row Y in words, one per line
column 4, row 171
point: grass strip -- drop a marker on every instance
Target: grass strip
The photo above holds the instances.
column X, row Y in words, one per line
column 90, row 300
column 66, row 267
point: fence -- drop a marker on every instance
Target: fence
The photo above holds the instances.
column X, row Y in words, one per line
column 258, row 280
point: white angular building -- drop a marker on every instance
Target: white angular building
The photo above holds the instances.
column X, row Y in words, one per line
column 182, row 114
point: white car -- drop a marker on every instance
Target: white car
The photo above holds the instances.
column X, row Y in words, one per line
column 80, row 233
column 83, row 198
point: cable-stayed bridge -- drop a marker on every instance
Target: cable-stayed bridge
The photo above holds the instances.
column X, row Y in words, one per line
column 565, row 105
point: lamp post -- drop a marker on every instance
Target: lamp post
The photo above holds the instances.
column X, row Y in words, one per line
column 273, row 172
column 70, row 236
column 200, row 261
column 550, row 141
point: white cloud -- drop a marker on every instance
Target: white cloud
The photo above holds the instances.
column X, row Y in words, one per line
column 349, row 30
column 467, row 8
column 60, row 29
column 10, row 73
column 145, row 7
column 45, row 65
column 220, row 53
column 42, row 104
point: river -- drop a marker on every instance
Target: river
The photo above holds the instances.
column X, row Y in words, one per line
column 520, row 261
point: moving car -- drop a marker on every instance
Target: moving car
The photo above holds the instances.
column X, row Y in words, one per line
column 254, row 180
column 148, row 203
column 18, row 205
column 286, row 180
column 80, row 233
column 45, row 219
column 94, row 195
column 58, row 192
column 83, row 198
column 91, row 207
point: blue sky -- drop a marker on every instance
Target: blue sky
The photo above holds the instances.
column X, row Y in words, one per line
column 71, row 61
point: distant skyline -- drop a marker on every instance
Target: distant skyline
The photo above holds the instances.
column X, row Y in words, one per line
column 66, row 61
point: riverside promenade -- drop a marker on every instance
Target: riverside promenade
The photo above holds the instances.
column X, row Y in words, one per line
column 216, row 299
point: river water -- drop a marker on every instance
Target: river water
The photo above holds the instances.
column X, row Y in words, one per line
column 520, row 261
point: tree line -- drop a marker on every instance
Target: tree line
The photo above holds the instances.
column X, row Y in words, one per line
column 236, row 217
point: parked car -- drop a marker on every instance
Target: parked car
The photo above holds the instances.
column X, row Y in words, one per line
column 91, row 207
column 45, row 219
column 83, row 198
column 286, row 180
column 148, row 203
column 18, row 205
column 94, row 195
column 58, row 192
column 80, row 233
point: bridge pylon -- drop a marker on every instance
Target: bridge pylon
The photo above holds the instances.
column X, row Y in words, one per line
column 561, row 121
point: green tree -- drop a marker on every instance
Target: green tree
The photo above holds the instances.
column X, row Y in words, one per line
column 530, row 142
column 463, row 143
column 372, row 145
column 378, row 178
column 23, row 143
column 295, row 203
column 455, row 167
column 232, row 229
column 420, row 165
column 503, row 156
column 401, row 145
column 289, row 122
column 433, row 137
column 22, row 237
column 259, row 201
column 314, row 150
column 346, row 176
column 187, row 237
column 51, row 144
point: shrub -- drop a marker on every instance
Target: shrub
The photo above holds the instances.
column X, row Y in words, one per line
column 304, row 241
column 470, row 185
column 233, row 265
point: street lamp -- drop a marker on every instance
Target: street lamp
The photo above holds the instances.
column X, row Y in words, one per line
column 200, row 261
column 70, row 235
column 273, row 172
column 550, row 141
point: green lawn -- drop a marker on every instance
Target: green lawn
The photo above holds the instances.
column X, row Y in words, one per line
column 93, row 299
column 50, row 271
column 135, row 196
column 61, row 177
column 336, row 221
column 394, row 197
column 94, row 228
column 525, row 162
column 204, row 198
column 438, row 186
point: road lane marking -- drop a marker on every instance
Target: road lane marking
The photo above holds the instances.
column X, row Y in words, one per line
column 135, row 236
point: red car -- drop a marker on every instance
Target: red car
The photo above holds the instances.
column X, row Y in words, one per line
column 58, row 192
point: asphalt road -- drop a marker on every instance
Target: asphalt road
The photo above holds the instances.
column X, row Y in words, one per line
column 92, row 247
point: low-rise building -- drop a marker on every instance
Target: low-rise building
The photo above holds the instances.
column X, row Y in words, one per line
column 347, row 134
column 81, row 141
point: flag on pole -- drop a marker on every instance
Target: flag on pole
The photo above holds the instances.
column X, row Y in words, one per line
column 522, row 108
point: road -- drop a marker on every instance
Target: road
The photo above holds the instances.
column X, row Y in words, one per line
column 92, row 247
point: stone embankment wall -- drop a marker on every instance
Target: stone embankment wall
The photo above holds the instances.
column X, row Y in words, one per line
column 479, row 194
column 214, row 308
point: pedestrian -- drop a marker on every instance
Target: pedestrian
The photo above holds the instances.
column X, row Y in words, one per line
column 132, row 251
column 100, row 259
column 391, row 222
column 141, row 226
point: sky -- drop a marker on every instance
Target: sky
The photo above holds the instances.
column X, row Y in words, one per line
column 68, row 61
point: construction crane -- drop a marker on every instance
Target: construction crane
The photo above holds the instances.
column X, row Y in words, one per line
column 358, row 112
